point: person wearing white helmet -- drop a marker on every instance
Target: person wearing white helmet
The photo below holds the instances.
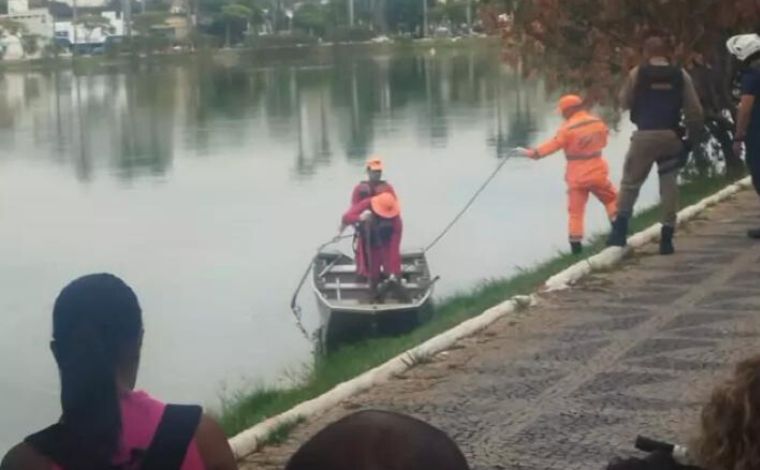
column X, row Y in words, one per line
column 746, row 48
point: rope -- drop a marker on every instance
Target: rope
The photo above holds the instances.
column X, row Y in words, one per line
column 482, row 187
column 294, row 307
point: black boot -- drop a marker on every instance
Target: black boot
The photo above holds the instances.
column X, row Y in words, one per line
column 576, row 248
column 619, row 234
column 754, row 233
column 666, row 240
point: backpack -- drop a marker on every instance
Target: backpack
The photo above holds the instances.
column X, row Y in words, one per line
column 167, row 450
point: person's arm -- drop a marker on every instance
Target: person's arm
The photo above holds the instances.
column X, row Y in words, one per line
column 742, row 122
column 550, row 146
column 743, row 116
column 750, row 87
column 692, row 109
column 625, row 97
column 354, row 213
column 213, row 446
column 24, row 457
column 356, row 194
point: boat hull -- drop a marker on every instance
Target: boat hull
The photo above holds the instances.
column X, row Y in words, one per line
column 349, row 312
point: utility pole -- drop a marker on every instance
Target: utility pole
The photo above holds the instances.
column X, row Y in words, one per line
column 424, row 18
column 469, row 17
column 74, row 25
column 350, row 13
column 127, row 7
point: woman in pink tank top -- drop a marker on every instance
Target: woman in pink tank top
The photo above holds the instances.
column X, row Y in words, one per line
column 97, row 336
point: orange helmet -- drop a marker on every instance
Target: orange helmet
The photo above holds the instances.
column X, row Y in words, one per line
column 375, row 163
column 569, row 101
column 385, row 205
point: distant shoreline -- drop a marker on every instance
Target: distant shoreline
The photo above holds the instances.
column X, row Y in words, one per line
column 231, row 56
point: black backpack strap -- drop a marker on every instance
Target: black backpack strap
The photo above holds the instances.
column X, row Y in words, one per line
column 175, row 432
column 53, row 444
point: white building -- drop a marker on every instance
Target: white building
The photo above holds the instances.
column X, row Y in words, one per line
column 37, row 21
column 86, row 3
column 85, row 35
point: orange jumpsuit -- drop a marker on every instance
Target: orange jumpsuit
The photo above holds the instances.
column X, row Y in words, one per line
column 583, row 137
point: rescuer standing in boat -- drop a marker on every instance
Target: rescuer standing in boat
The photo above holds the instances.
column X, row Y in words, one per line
column 372, row 186
column 582, row 136
column 378, row 220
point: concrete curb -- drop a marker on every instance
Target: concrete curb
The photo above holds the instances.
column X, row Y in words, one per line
column 613, row 255
column 250, row 440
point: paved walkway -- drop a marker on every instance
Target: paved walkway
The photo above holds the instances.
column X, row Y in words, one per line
column 570, row 383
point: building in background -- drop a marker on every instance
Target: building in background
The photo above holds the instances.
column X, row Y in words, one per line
column 35, row 21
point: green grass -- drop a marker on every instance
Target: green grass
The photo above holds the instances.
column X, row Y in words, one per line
column 281, row 432
column 250, row 408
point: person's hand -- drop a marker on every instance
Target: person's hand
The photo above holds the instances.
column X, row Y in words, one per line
column 738, row 149
column 365, row 216
column 525, row 152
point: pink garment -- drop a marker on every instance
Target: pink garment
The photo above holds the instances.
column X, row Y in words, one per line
column 140, row 415
column 385, row 257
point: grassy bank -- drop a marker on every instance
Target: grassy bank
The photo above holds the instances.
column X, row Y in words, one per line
column 350, row 361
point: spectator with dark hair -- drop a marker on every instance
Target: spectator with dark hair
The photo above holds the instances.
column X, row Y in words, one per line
column 372, row 440
column 106, row 424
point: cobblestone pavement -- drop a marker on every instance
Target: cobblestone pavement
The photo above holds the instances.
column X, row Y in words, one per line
column 570, row 383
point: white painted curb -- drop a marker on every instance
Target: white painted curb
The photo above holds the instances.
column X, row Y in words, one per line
column 612, row 255
column 250, row 440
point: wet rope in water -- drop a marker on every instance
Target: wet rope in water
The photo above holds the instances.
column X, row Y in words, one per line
column 294, row 307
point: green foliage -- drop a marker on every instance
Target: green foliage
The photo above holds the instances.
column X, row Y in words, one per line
column 93, row 21
column 13, row 27
column 30, row 43
column 312, row 18
column 236, row 12
column 346, row 34
column 146, row 23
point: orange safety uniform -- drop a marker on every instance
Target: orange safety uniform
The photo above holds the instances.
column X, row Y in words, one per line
column 583, row 137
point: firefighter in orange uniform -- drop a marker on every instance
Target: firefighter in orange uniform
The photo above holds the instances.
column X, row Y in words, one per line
column 582, row 136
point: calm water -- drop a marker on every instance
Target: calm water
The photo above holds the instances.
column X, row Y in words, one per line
column 207, row 187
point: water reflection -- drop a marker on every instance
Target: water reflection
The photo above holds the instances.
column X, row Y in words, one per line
column 132, row 121
column 209, row 186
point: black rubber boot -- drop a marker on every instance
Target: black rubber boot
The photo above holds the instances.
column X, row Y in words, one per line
column 666, row 240
column 754, row 233
column 576, row 248
column 619, row 234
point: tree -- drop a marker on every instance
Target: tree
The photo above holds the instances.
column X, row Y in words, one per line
column 589, row 44
column 234, row 15
column 150, row 36
column 312, row 18
column 146, row 23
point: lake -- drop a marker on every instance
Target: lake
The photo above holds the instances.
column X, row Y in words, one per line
column 208, row 185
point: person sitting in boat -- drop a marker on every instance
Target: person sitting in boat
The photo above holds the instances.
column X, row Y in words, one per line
column 378, row 220
column 374, row 184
